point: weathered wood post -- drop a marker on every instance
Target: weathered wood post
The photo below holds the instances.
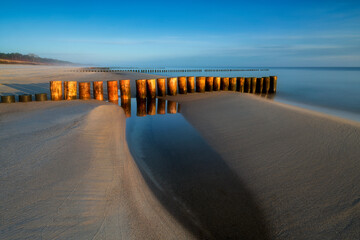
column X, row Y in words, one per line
column 182, row 85
column 26, row 97
column 70, row 90
column 98, row 90
column 161, row 86
column 253, row 84
column 171, row 107
column 217, row 84
column 84, row 90
column 240, row 84
column 126, row 105
column 151, row 88
column 224, row 83
column 140, row 107
column 266, row 85
column 191, row 84
column 209, row 84
column 259, row 85
column 172, row 86
column 247, row 85
column 125, row 89
column 56, row 90
column 200, row 84
column 273, row 83
column 151, row 106
column 141, row 89
column 112, row 89
column 8, row 99
column 232, row 84
column 161, row 106
column 41, row 97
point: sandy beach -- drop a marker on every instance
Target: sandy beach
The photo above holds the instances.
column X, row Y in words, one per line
column 67, row 172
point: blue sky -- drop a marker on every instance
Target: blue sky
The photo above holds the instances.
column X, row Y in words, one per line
column 185, row 33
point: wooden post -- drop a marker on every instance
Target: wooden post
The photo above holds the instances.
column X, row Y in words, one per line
column 190, row 84
column 247, row 85
column 182, row 85
column 224, row 83
column 161, row 87
column 209, row 84
column 126, row 105
column 112, row 89
column 8, row 99
column 26, row 97
column 200, row 84
column 266, row 85
column 151, row 88
column 140, row 107
column 217, row 84
column 151, row 106
column 232, row 84
column 171, row 107
column 98, row 90
column 172, row 86
column 273, row 83
column 70, row 90
column 240, row 84
column 259, row 85
column 84, row 90
column 141, row 88
column 125, row 89
column 253, row 84
column 161, row 106
column 56, row 90
column 41, row 96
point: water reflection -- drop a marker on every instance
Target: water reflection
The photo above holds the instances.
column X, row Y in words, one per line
column 149, row 107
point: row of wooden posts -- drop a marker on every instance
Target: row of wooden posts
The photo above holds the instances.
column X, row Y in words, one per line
column 147, row 87
column 163, row 70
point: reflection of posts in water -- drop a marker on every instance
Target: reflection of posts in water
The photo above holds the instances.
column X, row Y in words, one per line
column 240, row 84
column 140, row 107
column 151, row 88
column 200, row 84
column 161, row 106
column 224, row 83
column 70, row 90
column 209, row 84
column 247, row 85
column 84, row 90
column 179, row 108
column 190, row 84
column 172, row 86
column 56, row 90
column 151, row 106
column 232, row 84
column 259, row 85
column 171, row 107
column 161, row 87
column 273, row 83
column 217, row 83
column 266, row 84
column 125, row 89
column 141, row 88
column 98, row 90
column 126, row 105
column 253, row 84
column 182, row 85
column 112, row 89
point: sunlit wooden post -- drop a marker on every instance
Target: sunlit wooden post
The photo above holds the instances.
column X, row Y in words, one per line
column 41, row 97
column 112, row 89
column 171, row 107
column 125, row 89
column 98, row 90
column 182, row 85
column 217, row 83
column 191, row 84
column 151, row 106
column 70, row 90
column 200, row 84
column 141, row 89
column 25, row 98
column 266, row 85
column 126, row 105
column 151, row 88
column 259, row 85
column 240, row 84
column 273, row 83
column 140, row 107
column 253, row 84
column 8, row 99
column 161, row 86
column 84, row 91
column 172, row 86
column 224, row 83
column 209, row 84
column 56, row 90
column 247, row 85
column 161, row 106
column 232, row 84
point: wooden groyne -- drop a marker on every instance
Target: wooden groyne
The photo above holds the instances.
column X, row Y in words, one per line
column 159, row 70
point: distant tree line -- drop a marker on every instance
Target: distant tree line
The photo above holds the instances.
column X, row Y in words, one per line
column 30, row 58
